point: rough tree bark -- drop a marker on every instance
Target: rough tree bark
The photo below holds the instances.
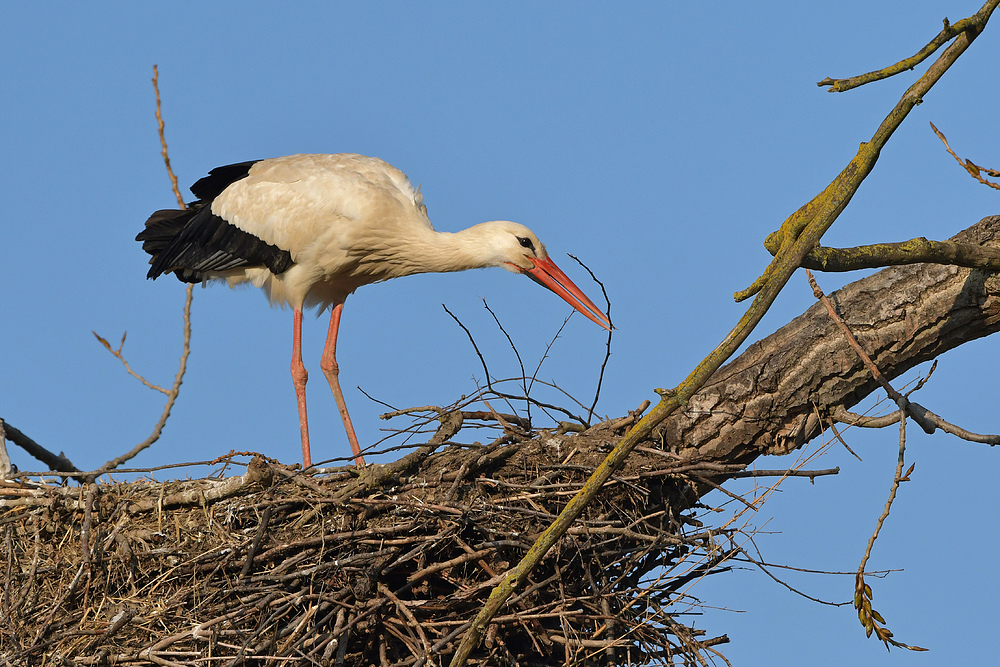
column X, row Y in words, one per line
column 766, row 401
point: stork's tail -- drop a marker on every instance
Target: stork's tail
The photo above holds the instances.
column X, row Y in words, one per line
column 161, row 228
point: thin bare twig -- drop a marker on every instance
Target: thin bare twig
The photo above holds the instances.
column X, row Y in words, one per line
column 472, row 340
column 545, row 354
column 974, row 170
column 871, row 619
column 920, row 384
column 504, row 395
column 607, row 354
column 120, row 357
column 763, row 568
column 524, row 378
column 174, row 390
column 163, row 140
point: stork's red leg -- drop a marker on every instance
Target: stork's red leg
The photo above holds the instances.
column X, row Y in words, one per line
column 299, row 377
column 330, row 368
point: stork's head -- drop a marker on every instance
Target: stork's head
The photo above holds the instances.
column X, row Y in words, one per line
column 517, row 249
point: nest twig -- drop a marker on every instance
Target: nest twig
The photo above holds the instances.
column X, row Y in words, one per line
column 384, row 566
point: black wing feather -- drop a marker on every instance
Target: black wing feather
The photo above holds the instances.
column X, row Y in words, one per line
column 208, row 188
column 194, row 242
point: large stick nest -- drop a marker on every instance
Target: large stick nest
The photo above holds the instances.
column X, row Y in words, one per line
column 382, row 566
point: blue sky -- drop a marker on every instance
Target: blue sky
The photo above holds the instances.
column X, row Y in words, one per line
column 659, row 143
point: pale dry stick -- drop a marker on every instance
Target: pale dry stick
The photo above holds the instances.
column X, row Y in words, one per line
column 841, row 414
column 384, row 590
column 922, row 381
column 174, row 390
column 504, row 424
column 121, row 357
column 163, row 141
column 5, row 465
column 172, row 394
column 162, row 645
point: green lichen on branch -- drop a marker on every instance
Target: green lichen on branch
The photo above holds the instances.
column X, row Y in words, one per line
column 879, row 255
column 973, row 24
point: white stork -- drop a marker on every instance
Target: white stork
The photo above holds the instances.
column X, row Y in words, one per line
column 311, row 229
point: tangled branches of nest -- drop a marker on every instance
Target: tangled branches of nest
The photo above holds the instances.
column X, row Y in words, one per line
column 382, row 566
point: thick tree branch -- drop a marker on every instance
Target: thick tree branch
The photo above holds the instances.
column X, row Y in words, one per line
column 842, row 415
column 762, row 403
column 880, row 255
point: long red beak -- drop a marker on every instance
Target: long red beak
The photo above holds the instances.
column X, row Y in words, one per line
column 547, row 274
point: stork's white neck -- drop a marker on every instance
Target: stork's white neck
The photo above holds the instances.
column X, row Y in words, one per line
column 424, row 250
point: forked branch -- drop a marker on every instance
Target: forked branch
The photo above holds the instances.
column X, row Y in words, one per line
column 973, row 24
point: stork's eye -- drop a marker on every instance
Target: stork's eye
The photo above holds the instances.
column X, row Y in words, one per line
column 526, row 243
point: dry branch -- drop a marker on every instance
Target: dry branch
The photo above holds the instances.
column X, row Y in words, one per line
column 871, row 619
column 974, row 169
column 175, row 388
column 57, row 462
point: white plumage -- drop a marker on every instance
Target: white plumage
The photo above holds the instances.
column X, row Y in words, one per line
column 310, row 229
